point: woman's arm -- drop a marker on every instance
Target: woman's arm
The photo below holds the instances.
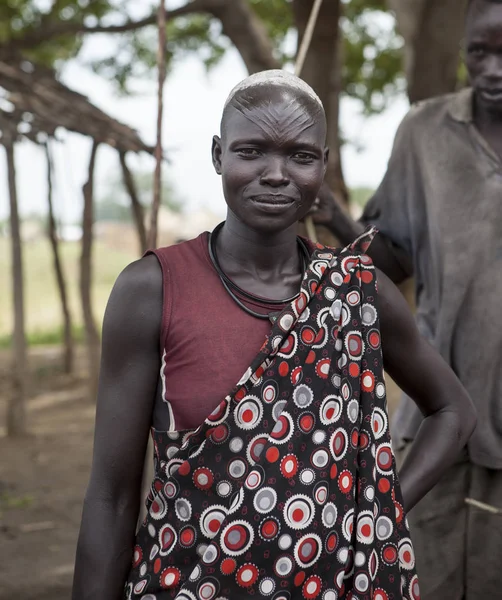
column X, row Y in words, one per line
column 423, row 374
column 129, row 374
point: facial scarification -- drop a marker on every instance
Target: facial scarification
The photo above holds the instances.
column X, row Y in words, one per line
column 279, row 122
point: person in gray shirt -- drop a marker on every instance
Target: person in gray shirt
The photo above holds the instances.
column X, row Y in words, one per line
column 439, row 213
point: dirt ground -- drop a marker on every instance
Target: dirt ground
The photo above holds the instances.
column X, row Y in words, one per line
column 42, row 481
column 43, row 478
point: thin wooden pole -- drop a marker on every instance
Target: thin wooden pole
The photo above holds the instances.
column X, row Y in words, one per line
column 58, row 266
column 300, row 62
column 157, row 191
column 307, row 37
column 91, row 332
column 136, row 206
column 16, row 410
column 161, row 67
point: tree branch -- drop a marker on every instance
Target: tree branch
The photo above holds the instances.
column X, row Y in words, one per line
column 239, row 22
column 157, row 180
column 247, row 32
column 50, row 31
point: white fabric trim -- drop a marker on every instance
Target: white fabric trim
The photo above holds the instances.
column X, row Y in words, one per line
column 172, row 423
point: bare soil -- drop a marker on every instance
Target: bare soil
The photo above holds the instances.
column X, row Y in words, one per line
column 43, row 478
column 42, row 481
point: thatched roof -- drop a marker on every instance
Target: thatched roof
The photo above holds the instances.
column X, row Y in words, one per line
column 39, row 104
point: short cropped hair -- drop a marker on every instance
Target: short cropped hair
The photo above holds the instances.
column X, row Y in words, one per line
column 243, row 91
column 275, row 77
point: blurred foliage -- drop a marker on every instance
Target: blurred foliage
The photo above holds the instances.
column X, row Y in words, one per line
column 373, row 54
column 278, row 18
column 22, row 18
column 372, row 48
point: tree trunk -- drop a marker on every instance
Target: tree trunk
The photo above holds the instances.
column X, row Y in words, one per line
column 136, row 206
column 322, row 70
column 68, row 353
column 16, row 410
column 247, row 32
column 432, row 32
column 91, row 332
column 157, row 179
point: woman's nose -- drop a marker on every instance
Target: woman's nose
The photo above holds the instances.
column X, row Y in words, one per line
column 275, row 173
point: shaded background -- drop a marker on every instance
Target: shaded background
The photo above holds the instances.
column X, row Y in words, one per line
column 78, row 110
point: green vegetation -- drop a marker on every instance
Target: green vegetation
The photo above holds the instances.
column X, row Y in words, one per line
column 43, row 312
column 9, row 501
column 51, row 33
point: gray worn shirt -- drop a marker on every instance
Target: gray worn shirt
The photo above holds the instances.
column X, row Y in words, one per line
column 441, row 201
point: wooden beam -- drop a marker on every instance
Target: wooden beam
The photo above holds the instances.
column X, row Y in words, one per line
column 161, row 69
column 91, row 333
column 16, row 410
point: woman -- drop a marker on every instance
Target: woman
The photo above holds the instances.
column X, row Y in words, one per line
column 283, row 485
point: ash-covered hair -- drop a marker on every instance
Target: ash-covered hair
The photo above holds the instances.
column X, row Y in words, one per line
column 277, row 78
column 246, row 93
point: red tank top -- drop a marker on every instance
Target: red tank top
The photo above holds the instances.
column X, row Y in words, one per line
column 207, row 340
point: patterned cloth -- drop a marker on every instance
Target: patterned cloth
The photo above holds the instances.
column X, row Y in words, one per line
column 289, row 488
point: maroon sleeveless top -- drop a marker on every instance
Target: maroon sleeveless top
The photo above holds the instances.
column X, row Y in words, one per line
column 207, row 340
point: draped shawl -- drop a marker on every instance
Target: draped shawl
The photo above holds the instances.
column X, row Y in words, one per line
column 289, row 487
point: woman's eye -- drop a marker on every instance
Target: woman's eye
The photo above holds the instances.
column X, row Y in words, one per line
column 249, row 152
column 304, row 157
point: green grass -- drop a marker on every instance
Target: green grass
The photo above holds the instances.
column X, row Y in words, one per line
column 42, row 306
column 44, row 337
column 8, row 501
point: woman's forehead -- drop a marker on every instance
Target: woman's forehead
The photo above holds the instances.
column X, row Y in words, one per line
column 280, row 123
column 278, row 114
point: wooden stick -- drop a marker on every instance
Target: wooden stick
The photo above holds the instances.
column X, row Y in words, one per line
column 482, row 506
column 300, row 62
column 16, row 408
column 157, row 181
column 68, row 353
column 307, row 38
column 310, row 227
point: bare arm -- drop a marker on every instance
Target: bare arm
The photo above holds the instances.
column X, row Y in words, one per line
column 422, row 373
column 129, row 374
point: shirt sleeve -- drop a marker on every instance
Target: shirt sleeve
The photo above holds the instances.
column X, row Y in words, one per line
column 391, row 209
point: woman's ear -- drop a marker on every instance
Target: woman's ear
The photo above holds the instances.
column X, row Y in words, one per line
column 326, row 158
column 216, row 152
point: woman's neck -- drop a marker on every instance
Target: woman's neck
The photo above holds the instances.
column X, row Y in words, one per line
column 254, row 251
column 266, row 264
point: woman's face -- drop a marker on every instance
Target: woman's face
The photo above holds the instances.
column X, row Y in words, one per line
column 272, row 159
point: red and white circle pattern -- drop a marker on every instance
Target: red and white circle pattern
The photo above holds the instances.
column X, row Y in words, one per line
column 289, row 488
column 299, row 511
